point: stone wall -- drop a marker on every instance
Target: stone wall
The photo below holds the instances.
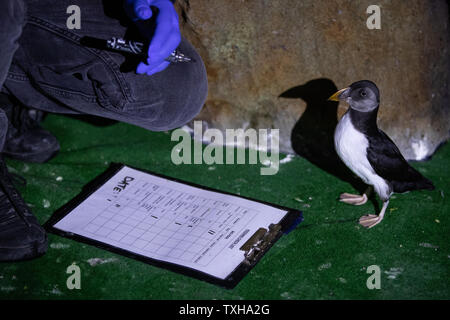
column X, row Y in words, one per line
column 272, row 64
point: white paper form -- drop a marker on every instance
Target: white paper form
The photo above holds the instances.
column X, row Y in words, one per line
column 170, row 221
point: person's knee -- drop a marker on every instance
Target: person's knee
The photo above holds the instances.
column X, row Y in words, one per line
column 185, row 107
column 12, row 17
column 170, row 115
column 179, row 102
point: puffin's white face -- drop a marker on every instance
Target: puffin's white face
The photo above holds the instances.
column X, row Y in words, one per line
column 362, row 96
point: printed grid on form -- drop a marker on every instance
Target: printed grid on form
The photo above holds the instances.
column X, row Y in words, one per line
column 171, row 221
column 166, row 222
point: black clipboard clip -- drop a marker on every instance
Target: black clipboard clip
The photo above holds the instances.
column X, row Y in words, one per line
column 263, row 239
column 260, row 242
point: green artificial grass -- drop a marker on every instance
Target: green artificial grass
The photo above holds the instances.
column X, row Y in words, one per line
column 324, row 258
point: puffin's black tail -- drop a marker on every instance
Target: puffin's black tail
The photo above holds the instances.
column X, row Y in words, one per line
column 426, row 184
column 404, row 186
column 416, row 181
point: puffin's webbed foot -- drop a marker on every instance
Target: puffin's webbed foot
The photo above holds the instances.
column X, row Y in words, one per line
column 354, row 199
column 370, row 220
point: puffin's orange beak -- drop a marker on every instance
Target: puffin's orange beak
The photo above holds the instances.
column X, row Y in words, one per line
column 335, row 97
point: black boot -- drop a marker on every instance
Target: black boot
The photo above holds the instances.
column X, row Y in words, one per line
column 26, row 140
column 21, row 236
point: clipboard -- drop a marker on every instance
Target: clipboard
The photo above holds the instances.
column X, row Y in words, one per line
column 252, row 245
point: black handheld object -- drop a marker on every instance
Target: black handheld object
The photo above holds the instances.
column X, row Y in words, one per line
column 130, row 46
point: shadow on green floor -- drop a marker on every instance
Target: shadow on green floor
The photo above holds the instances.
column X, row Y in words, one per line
column 326, row 257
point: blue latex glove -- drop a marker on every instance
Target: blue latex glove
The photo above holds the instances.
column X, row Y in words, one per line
column 167, row 35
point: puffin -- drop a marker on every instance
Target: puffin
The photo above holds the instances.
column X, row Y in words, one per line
column 369, row 153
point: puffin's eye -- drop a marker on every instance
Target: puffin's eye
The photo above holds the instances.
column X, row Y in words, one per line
column 363, row 93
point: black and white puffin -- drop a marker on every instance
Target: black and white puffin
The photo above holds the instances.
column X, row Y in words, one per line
column 369, row 152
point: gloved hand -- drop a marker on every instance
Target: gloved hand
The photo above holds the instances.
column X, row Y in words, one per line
column 167, row 35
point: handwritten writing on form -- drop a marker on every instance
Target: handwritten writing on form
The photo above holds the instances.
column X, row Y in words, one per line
column 170, row 221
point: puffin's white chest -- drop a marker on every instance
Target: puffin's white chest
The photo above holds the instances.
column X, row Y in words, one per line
column 351, row 146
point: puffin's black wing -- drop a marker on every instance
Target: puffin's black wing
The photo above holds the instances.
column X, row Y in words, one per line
column 388, row 162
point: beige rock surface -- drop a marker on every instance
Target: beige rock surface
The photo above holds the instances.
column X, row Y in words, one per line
column 255, row 50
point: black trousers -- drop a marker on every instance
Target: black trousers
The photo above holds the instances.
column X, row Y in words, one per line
column 43, row 65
